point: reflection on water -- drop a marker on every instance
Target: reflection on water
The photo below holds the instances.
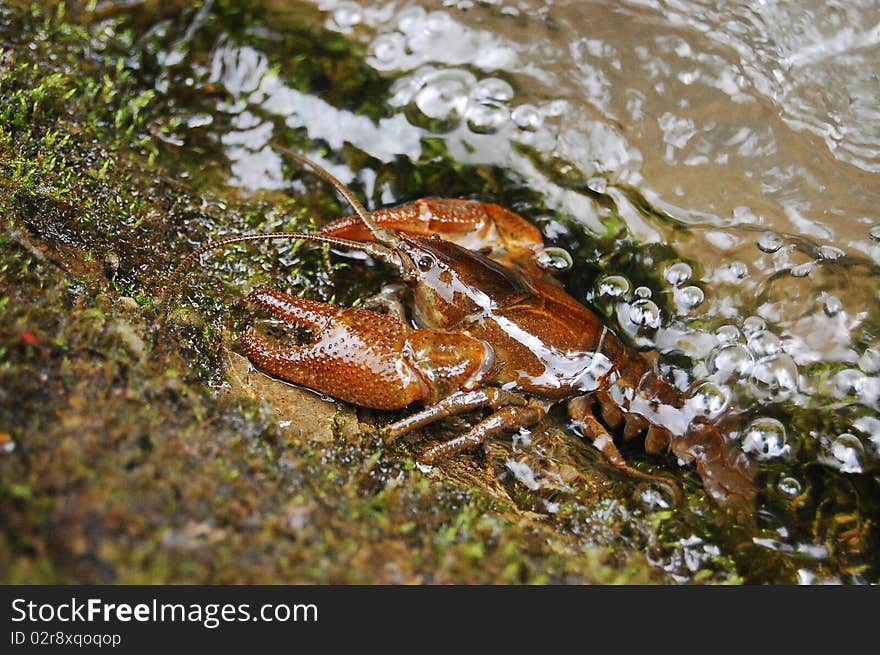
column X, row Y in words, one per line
column 751, row 128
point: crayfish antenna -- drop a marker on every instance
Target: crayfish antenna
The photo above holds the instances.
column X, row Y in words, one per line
column 375, row 250
column 384, row 250
column 384, row 236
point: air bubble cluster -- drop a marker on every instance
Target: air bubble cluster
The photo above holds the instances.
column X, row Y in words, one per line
column 760, row 362
column 441, row 100
column 637, row 314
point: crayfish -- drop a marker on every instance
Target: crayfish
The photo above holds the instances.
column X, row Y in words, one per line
column 489, row 327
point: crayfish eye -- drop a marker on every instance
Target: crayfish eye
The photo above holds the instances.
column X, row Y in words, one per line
column 425, row 264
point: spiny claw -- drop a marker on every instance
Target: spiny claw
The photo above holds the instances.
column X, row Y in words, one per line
column 355, row 354
column 306, row 313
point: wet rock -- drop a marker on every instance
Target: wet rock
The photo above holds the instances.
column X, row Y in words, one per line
column 301, row 414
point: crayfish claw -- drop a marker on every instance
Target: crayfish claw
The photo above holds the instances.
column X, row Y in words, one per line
column 303, row 312
column 354, row 354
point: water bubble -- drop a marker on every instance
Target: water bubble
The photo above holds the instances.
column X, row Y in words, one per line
column 801, row 270
column 875, row 233
column 347, row 15
column 485, row 117
column 410, row 19
column 753, row 324
column 765, row 438
column 869, row 362
column 846, row 452
column 487, row 111
column 437, row 23
column 492, row 88
column 769, row 242
column 732, row 359
column 869, row 392
column 642, row 292
column 830, row 253
column 832, row 305
column 738, row 270
column 554, row 259
column 678, row 273
column 689, row 297
column 597, row 184
column 614, row 286
column 527, row 117
column 849, row 382
column 388, row 49
column 441, row 99
column 763, row 343
column 776, row 375
column 727, row 333
column 709, row 399
column 645, row 313
column 789, row 487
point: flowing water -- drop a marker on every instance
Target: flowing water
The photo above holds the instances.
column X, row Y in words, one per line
column 713, row 167
column 743, row 136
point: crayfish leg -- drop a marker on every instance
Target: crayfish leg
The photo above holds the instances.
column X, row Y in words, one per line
column 612, row 415
column 505, row 419
column 583, row 417
column 388, row 301
column 634, row 426
column 729, row 478
column 457, row 403
column 658, row 440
